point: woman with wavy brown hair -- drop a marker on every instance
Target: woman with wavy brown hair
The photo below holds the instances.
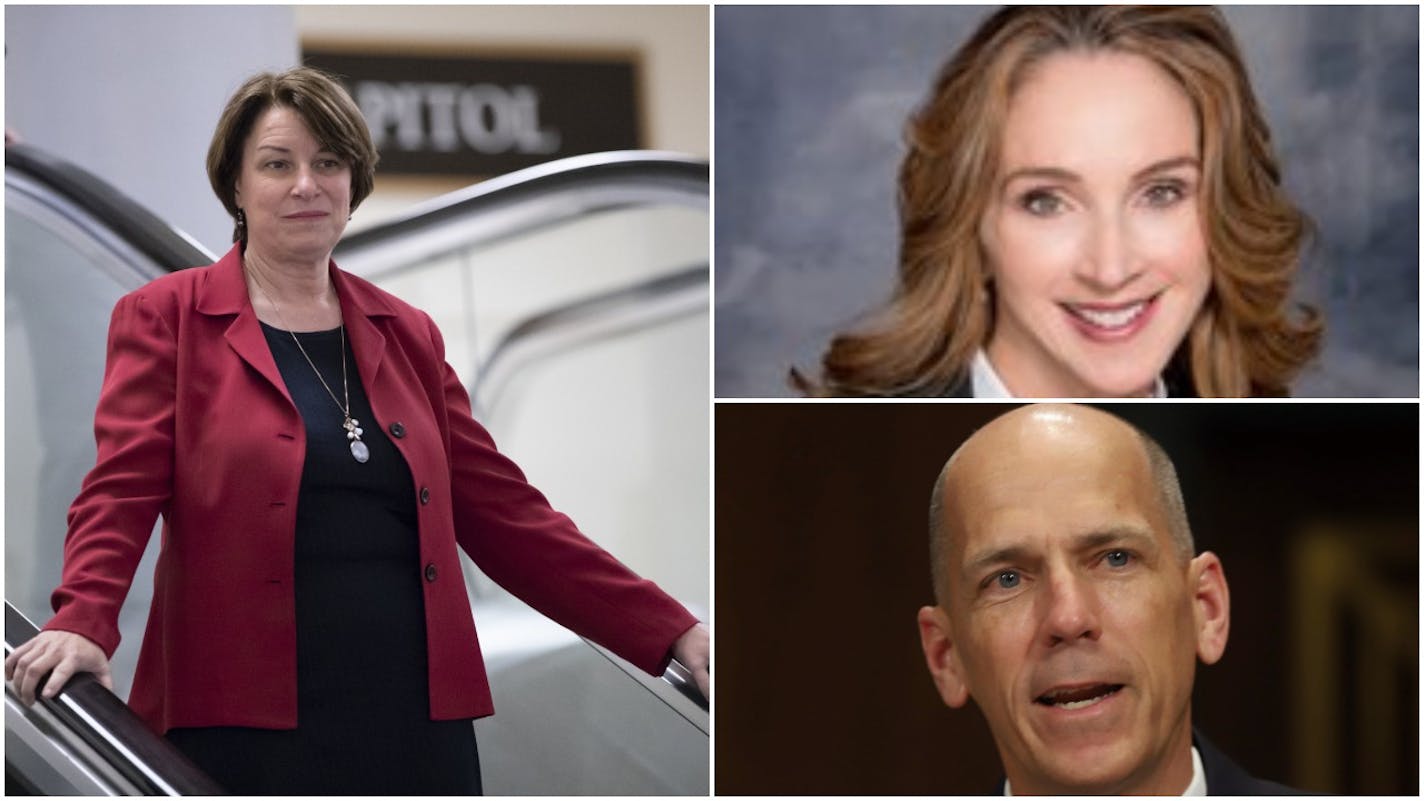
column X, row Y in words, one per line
column 1090, row 207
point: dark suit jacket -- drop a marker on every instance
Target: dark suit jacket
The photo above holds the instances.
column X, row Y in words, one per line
column 195, row 423
column 1224, row 777
column 963, row 387
column 1176, row 378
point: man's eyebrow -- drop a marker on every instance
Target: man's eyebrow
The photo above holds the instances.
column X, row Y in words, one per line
column 1009, row 553
column 1063, row 175
column 1114, row 535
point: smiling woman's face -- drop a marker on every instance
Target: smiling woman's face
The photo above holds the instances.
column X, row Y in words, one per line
column 1093, row 233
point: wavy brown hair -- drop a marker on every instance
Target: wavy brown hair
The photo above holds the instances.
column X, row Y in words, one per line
column 1246, row 340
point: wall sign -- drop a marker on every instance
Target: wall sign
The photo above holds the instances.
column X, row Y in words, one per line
column 486, row 116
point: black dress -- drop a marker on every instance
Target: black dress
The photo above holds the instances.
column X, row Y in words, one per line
column 363, row 708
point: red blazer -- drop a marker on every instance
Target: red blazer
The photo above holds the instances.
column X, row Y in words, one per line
column 194, row 423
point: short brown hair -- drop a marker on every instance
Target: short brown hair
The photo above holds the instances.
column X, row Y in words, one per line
column 1247, row 339
column 324, row 106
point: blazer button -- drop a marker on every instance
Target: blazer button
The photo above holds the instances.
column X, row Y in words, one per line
column 430, row 572
column 397, row 430
column 424, row 495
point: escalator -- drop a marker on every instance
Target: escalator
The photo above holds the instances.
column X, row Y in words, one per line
column 589, row 273
column 86, row 741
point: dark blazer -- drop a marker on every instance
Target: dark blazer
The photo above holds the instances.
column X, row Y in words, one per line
column 194, row 423
column 1176, row 377
column 1223, row 777
column 963, row 387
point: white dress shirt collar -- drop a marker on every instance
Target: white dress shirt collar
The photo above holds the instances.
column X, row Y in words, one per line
column 985, row 381
column 1197, row 786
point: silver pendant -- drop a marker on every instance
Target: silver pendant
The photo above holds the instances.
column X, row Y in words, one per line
column 358, row 448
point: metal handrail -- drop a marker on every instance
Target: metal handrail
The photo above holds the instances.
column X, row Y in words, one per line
column 685, row 699
column 649, row 167
column 588, row 321
column 518, row 203
column 107, row 725
column 167, row 246
column 681, row 679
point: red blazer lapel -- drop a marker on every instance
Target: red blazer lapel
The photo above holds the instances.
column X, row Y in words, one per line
column 358, row 306
column 225, row 294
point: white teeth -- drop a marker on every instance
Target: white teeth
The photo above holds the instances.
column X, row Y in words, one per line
column 1081, row 704
column 1111, row 319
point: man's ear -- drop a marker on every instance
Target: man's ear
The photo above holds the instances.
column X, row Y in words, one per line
column 942, row 657
column 1211, row 605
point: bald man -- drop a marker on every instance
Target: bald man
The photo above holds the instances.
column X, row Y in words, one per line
column 1071, row 608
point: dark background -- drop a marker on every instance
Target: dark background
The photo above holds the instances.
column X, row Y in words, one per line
column 821, row 514
column 592, row 104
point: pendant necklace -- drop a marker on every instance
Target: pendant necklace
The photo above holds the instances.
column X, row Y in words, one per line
column 359, row 451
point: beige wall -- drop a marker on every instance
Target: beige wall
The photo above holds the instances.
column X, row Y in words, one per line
column 671, row 44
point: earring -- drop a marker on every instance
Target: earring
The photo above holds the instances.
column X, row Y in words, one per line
column 241, row 219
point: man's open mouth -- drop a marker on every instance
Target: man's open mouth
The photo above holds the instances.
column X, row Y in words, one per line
column 1077, row 697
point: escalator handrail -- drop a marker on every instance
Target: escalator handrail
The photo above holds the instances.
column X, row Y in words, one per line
column 646, row 166
column 167, row 246
column 675, row 674
column 620, row 301
column 106, row 723
column 486, row 388
column 678, row 675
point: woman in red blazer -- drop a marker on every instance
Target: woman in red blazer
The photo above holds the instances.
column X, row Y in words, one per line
column 315, row 463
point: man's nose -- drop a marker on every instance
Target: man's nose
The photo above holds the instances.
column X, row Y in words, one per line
column 1071, row 611
column 1108, row 261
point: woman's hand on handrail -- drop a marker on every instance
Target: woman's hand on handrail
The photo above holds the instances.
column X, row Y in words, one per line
column 694, row 650
column 65, row 652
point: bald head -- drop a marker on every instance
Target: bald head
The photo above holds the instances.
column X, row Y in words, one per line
column 1035, row 444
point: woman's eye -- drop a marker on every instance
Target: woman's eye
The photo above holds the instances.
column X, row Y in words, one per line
column 1165, row 194
column 1117, row 558
column 1041, row 204
column 1007, row 579
column 276, row 165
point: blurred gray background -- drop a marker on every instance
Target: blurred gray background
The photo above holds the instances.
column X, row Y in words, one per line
column 811, row 101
